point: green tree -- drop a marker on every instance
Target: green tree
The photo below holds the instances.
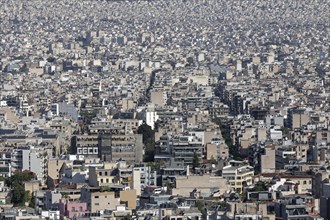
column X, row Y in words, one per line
column 127, row 217
column 156, row 166
column 19, row 195
column 148, row 138
column 259, row 187
column 24, row 68
column 285, row 130
column 51, row 59
column 32, row 202
column 19, row 178
column 16, row 182
column 201, row 207
column 149, row 155
column 88, row 115
column 243, row 196
column 148, row 135
column 195, row 161
column 168, row 185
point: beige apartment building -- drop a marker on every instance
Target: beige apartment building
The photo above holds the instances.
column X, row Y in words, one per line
column 238, row 176
column 101, row 176
column 103, row 200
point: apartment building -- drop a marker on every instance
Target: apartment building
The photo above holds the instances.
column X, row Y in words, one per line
column 238, row 176
column 102, row 176
column 121, row 147
column 34, row 159
column 86, row 145
column 5, row 163
column 103, row 200
column 72, row 208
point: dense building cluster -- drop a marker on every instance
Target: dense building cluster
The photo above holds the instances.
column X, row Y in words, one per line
column 165, row 109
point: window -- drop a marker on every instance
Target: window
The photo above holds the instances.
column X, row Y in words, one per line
column 96, row 197
column 97, row 203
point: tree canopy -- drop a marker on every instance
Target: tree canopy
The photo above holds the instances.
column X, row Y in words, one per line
column 195, row 161
column 148, row 137
column 16, row 182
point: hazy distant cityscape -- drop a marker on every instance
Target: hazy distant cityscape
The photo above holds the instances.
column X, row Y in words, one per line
column 165, row 109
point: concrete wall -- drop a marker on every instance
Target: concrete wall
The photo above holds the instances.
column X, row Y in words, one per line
column 158, row 98
column 186, row 184
column 268, row 161
column 103, row 200
column 129, row 196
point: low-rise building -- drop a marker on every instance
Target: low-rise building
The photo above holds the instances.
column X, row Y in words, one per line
column 238, row 176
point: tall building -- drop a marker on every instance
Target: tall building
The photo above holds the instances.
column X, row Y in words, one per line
column 151, row 117
column 34, row 159
column 86, row 145
column 137, row 181
column 117, row 147
column 325, row 201
column 181, row 147
column 297, row 118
